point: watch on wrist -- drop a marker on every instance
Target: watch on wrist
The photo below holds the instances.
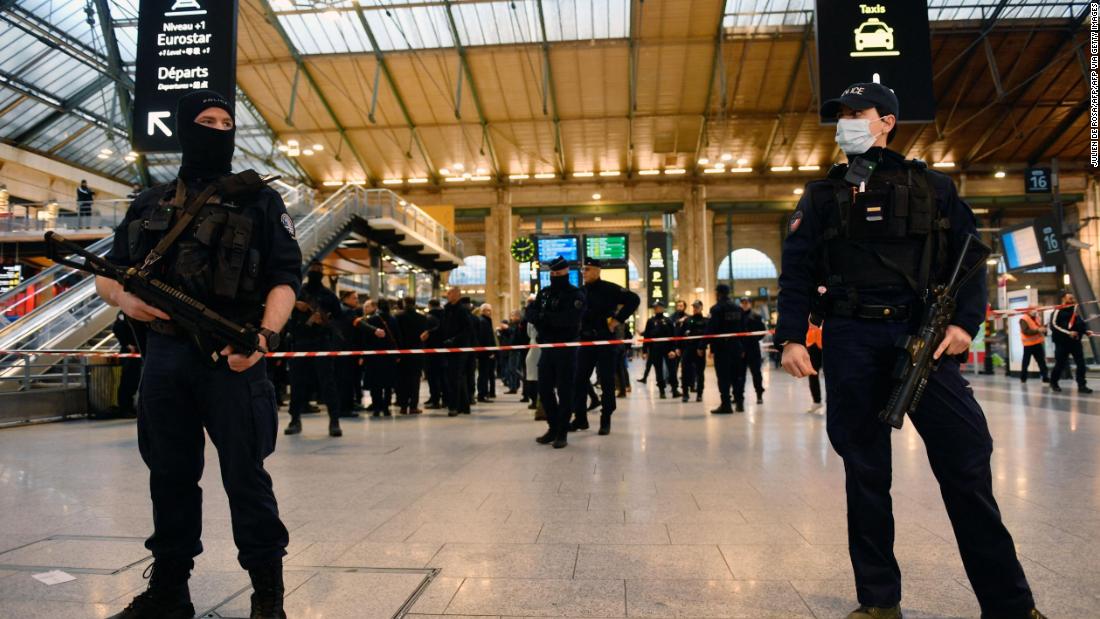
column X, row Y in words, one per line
column 271, row 337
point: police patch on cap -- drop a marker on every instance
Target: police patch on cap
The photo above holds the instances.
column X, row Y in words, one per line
column 288, row 223
column 796, row 220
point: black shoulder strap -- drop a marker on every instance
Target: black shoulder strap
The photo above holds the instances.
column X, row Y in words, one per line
column 188, row 214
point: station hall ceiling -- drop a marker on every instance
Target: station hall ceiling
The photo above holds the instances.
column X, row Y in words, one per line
column 457, row 93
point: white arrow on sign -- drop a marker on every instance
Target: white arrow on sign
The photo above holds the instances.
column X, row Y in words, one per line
column 156, row 121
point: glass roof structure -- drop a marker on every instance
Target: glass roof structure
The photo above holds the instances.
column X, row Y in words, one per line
column 340, row 26
column 747, row 15
column 59, row 94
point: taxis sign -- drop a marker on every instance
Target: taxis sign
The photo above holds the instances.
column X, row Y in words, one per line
column 858, row 40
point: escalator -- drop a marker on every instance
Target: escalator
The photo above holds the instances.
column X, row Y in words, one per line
column 74, row 315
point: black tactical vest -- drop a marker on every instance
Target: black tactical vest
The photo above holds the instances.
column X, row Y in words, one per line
column 217, row 260
column 892, row 235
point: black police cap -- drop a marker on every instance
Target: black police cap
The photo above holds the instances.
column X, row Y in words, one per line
column 722, row 289
column 559, row 264
column 862, row 96
column 593, row 262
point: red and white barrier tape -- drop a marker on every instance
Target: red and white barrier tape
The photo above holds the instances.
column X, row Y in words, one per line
column 410, row 351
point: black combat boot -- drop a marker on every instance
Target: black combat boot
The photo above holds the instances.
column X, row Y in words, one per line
column 334, row 427
column 547, row 438
column 675, row 392
column 267, row 592
column 580, row 423
column 167, row 596
column 605, row 425
column 561, row 440
column 739, row 406
column 294, row 427
column 723, row 409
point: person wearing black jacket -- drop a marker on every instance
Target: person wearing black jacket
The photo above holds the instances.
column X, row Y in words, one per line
column 750, row 344
column 658, row 325
column 726, row 317
column 486, row 361
column 607, row 306
column 311, row 325
column 556, row 314
column 349, row 369
column 693, row 360
column 381, row 371
column 434, row 364
column 414, row 331
column 457, row 331
column 1067, row 330
column 131, row 339
column 672, row 357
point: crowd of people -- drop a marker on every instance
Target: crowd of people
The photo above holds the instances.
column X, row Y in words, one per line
column 383, row 385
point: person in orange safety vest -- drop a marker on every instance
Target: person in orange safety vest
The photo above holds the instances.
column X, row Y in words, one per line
column 1033, row 334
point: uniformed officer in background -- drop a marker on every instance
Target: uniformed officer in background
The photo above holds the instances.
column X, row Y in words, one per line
column 863, row 246
column 183, row 392
column 727, row 317
column 608, row 306
column 659, row 325
column 556, row 314
column 750, row 344
column 672, row 357
column 131, row 336
column 693, row 359
column 313, row 327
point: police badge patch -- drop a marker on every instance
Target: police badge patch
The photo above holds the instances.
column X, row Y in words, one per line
column 288, row 223
column 796, row 220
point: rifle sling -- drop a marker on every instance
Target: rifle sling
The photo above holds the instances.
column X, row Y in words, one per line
column 185, row 219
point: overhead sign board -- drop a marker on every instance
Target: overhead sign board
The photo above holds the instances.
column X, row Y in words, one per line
column 610, row 248
column 658, row 259
column 1037, row 180
column 550, row 247
column 857, row 40
column 1033, row 244
column 182, row 46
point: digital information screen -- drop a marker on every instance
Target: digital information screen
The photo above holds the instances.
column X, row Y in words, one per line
column 11, row 275
column 574, row 278
column 609, row 247
column 858, row 39
column 182, row 46
column 550, row 247
column 1021, row 248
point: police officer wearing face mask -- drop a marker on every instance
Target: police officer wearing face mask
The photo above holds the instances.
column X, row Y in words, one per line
column 556, row 314
column 863, row 246
column 729, row 359
column 238, row 256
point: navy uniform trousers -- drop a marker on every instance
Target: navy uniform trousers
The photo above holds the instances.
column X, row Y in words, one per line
column 557, row 370
column 180, row 396
column 602, row 359
column 859, row 357
column 729, row 368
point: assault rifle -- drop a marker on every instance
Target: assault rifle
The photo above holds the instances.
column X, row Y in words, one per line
column 916, row 362
column 206, row 327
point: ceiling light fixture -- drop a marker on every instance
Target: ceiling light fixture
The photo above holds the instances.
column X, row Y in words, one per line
column 610, row 173
column 392, row 181
column 740, row 170
column 318, row 147
column 481, row 171
column 458, row 166
column 675, row 171
column 742, row 161
column 455, row 179
column 999, row 174
column 943, row 164
column 444, row 172
column 648, row 172
column 417, row 181
column 583, row 174
column 782, row 168
column 481, row 178
column 714, row 170
column 518, row 177
column 703, row 161
column 107, row 151
column 332, row 183
column 726, row 157
column 358, row 182
column 798, row 191
column 545, row 175
column 308, row 152
column 596, row 196
column 808, row 168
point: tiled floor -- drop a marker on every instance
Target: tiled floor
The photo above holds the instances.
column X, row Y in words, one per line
column 676, row 514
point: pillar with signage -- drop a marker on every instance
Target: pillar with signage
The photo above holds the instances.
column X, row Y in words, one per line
column 858, row 40
column 658, row 267
column 182, row 46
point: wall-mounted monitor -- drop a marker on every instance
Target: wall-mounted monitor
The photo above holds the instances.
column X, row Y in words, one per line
column 612, row 249
column 574, row 278
column 550, row 247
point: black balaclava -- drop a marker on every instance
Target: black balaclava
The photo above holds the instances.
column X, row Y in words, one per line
column 207, row 152
column 559, row 281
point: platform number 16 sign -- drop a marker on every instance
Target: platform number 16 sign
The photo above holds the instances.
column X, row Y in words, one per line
column 1037, row 180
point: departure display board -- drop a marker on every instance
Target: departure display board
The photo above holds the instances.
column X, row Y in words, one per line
column 11, row 275
column 566, row 246
column 182, row 46
column 610, row 248
column 574, row 278
column 1032, row 245
column 859, row 39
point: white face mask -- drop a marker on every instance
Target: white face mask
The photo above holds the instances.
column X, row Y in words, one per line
column 854, row 136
